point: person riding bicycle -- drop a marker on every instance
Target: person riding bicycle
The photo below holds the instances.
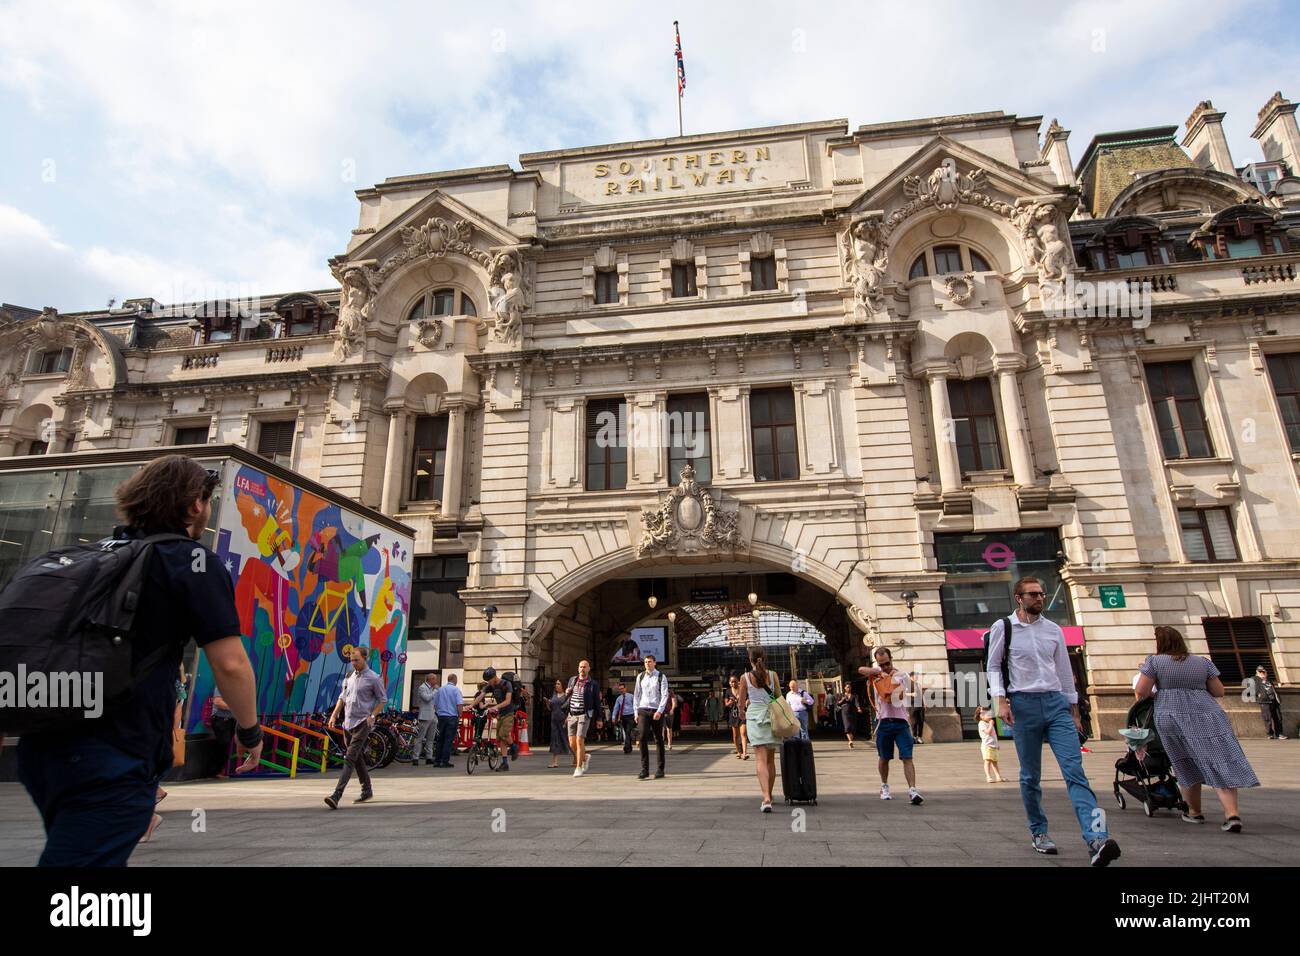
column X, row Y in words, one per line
column 501, row 706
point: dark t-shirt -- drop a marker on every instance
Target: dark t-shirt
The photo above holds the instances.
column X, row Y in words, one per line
column 186, row 597
column 499, row 692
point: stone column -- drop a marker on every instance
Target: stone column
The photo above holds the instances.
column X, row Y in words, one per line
column 1022, row 466
column 944, row 438
column 451, row 475
column 394, row 462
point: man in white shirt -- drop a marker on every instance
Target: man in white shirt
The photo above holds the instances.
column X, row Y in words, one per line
column 650, row 698
column 1033, row 688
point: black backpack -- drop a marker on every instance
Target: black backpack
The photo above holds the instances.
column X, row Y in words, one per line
column 1006, row 654
column 67, row 614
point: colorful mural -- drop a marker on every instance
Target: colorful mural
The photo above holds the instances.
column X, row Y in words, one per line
column 311, row 580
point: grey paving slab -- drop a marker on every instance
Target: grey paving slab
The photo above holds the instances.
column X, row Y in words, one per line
column 704, row 813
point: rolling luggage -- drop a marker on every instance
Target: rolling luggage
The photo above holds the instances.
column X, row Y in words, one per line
column 798, row 776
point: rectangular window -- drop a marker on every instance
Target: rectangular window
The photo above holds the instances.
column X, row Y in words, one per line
column 1237, row 646
column 688, row 437
column 606, row 445
column 772, row 427
column 982, row 570
column 428, row 457
column 38, row 447
column 275, row 441
column 1207, row 534
column 1131, row 258
column 437, row 612
column 49, row 362
column 947, row 259
column 606, row 287
column 1179, row 417
column 191, row 435
column 1242, row 248
column 684, row 280
column 975, row 425
column 1284, row 370
column 762, row 273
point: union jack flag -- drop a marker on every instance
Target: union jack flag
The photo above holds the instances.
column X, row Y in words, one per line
column 681, row 64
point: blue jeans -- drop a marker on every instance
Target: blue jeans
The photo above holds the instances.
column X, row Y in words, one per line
column 447, row 731
column 96, row 801
column 1040, row 717
column 803, row 723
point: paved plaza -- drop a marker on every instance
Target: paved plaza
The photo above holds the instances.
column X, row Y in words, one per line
column 704, row 813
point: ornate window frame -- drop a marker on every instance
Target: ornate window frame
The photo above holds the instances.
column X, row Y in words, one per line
column 763, row 244
column 605, row 259
column 683, row 251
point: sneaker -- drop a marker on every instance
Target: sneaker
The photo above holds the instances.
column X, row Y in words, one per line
column 1103, row 851
column 332, row 802
column 578, row 772
column 914, row 795
column 659, row 774
column 505, row 767
column 765, row 808
column 1193, row 818
column 365, row 795
column 1282, row 737
column 643, row 775
column 884, row 792
column 1231, row 825
column 1043, row 844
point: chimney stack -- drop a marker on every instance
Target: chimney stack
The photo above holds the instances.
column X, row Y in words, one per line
column 1057, row 154
column 1277, row 133
column 1205, row 140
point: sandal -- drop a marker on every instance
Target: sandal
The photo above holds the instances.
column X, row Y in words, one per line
column 1231, row 825
column 160, row 796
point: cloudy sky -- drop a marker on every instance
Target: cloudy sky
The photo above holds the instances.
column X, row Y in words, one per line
column 158, row 148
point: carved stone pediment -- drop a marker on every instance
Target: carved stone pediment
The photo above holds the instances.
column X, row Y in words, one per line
column 689, row 520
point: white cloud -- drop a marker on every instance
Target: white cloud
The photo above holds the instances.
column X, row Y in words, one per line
column 186, row 111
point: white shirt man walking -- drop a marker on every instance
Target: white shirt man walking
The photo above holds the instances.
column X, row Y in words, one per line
column 1033, row 688
column 651, row 697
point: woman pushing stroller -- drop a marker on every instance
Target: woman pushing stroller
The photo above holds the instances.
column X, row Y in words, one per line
column 1193, row 727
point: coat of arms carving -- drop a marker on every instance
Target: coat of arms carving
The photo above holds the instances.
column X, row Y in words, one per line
column 689, row 519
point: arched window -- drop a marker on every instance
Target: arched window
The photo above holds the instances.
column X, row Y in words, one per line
column 942, row 260
column 440, row 302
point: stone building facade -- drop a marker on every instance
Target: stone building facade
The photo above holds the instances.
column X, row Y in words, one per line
column 909, row 351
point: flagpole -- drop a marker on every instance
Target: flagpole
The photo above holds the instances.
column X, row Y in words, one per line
column 677, row 78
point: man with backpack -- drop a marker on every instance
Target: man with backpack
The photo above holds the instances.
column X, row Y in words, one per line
column 502, row 708
column 650, row 698
column 1032, row 685
column 585, row 705
column 151, row 587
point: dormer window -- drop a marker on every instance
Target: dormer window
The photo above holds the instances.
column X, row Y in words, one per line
column 441, row 302
column 1132, row 243
column 301, row 315
column 49, row 362
column 1239, row 233
column 944, row 260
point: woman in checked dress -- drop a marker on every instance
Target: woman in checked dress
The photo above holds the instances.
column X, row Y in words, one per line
column 1193, row 727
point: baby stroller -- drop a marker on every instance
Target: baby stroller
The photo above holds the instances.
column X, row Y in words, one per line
column 1150, row 776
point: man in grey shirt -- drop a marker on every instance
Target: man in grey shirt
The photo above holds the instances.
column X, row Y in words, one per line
column 362, row 699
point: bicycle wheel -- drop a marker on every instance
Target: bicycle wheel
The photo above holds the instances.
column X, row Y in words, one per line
column 392, row 745
column 406, row 744
column 494, row 758
column 376, row 749
column 471, row 759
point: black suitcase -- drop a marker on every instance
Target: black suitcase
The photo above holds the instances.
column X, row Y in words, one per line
column 798, row 775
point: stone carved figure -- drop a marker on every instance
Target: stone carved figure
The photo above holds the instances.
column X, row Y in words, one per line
column 865, row 258
column 689, row 517
column 508, row 293
column 354, row 313
column 1045, row 251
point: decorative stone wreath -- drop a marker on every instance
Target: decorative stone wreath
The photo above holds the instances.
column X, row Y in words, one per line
column 960, row 287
